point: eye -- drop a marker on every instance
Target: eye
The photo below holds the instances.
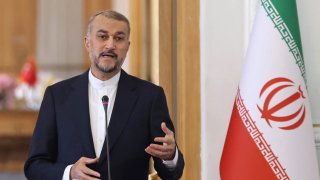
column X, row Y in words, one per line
column 102, row 37
column 118, row 38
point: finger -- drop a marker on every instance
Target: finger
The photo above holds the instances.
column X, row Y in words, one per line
column 79, row 169
column 167, row 140
column 165, row 129
column 155, row 152
column 90, row 172
column 164, row 149
column 159, row 147
column 89, row 160
column 160, row 154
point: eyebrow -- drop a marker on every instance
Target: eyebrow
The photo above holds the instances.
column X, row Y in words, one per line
column 106, row 32
column 102, row 31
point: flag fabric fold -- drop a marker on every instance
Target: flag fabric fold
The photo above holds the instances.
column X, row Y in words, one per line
column 270, row 134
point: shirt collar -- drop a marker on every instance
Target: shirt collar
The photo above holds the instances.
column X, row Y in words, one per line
column 98, row 84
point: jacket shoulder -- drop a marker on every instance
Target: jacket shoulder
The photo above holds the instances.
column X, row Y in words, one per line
column 69, row 81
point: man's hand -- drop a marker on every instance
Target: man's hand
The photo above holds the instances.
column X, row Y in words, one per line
column 80, row 171
column 166, row 151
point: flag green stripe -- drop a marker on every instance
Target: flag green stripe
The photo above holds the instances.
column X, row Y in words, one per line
column 283, row 14
column 288, row 12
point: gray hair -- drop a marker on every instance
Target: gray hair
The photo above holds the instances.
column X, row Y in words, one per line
column 109, row 14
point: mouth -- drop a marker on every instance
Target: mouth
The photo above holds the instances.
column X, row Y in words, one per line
column 108, row 55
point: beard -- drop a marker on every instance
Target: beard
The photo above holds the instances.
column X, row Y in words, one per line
column 104, row 68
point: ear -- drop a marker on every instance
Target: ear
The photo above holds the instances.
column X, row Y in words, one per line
column 128, row 45
column 87, row 42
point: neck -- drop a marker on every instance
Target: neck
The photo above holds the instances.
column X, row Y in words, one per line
column 103, row 76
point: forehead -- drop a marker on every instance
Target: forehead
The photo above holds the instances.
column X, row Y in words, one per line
column 109, row 25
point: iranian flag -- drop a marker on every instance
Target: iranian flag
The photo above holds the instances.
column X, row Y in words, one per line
column 270, row 134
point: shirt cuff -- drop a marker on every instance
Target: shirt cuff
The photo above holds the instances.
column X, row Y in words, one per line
column 172, row 164
column 66, row 174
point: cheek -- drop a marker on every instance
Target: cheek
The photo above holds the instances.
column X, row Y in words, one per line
column 95, row 47
column 123, row 51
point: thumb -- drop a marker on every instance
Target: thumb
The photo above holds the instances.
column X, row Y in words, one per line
column 165, row 129
column 91, row 161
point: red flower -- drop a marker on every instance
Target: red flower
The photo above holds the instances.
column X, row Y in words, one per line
column 29, row 72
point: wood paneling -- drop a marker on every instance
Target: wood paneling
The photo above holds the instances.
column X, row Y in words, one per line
column 179, row 74
column 16, row 128
column 13, row 153
column 188, row 84
column 17, row 33
column 17, row 123
column 136, row 61
column 92, row 7
column 166, row 61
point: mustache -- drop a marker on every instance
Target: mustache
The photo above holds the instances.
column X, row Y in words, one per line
column 108, row 53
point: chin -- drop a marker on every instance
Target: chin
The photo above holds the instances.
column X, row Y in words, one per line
column 108, row 69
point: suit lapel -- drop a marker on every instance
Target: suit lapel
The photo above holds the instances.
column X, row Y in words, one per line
column 80, row 102
column 123, row 107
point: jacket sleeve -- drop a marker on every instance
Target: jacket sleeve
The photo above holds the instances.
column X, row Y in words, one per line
column 159, row 114
column 41, row 162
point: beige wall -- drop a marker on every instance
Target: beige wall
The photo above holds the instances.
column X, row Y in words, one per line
column 225, row 30
column 222, row 51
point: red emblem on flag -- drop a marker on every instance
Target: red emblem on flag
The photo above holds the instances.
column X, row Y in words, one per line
column 281, row 98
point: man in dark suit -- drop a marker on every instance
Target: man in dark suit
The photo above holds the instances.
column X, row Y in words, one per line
column 69, row 138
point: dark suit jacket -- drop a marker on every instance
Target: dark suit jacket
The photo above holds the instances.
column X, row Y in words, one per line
column 62, row 134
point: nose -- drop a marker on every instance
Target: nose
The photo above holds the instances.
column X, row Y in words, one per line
column 110, row 44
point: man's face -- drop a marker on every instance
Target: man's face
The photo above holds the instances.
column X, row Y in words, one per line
column 107, row 45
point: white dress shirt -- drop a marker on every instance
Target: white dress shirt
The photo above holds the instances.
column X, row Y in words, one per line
column 97, row 89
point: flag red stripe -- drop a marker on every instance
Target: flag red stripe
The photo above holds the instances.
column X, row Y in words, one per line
column 246, row 154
